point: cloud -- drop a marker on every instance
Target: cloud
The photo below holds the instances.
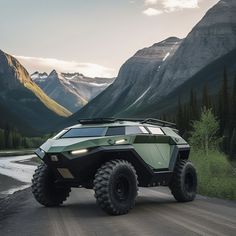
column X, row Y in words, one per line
column 173, row 5
column 152, row 12
column 33, row 64
column 150, row 2
column 160, row 6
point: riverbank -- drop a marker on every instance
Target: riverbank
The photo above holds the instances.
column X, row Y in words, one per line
column 10, row 185
column 7, row 153
column 16, row 173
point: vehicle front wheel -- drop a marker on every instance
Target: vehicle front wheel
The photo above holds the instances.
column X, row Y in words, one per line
column 184, row 181
column 44, row 189
column 116, row 187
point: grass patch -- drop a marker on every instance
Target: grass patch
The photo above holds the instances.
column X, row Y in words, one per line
column 216, row 175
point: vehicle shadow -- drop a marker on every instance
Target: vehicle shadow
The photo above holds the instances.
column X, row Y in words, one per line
column 89, row 208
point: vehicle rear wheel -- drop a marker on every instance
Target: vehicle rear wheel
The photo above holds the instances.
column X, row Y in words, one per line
column 184, row 181
column 116, row 187
column 44, row 189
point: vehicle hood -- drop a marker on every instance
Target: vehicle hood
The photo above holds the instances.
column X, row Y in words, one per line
column 58, row 145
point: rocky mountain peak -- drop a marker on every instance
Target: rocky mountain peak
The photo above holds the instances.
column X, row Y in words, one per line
column 223, row 12
column 12, row 73
column 38, row 76
column 53, row 73
column 167, row 41
column 159, row 50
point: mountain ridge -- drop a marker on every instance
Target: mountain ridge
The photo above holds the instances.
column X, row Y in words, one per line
column 213, row 37
column 71, row 90
column 24, row 100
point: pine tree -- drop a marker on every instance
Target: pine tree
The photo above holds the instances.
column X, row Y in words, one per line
column 7, row 135
column 205, row 97
column 232, row 150
column 225, row 100
column 180, row 118
column 233, row 107
column 224, row 113
column 193, row 110
column 2, row 141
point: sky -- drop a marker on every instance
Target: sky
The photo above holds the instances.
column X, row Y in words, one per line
column 93, row 37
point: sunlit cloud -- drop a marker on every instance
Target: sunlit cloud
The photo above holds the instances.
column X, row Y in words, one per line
column 173, row 5
column 33, row 64
column 152, row 12
column 161, row 6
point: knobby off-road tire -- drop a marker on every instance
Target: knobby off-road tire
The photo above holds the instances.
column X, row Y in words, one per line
column 184, row 181
column 44, row 189
column 116, row 187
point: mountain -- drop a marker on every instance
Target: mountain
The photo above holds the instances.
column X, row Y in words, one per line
column 147, row 78
column 134, row 80
column 211, row 76
column 71, row 90
column 22, row 103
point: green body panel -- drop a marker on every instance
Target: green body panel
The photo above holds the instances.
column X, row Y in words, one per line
column 69, row 144
column 156, row 155
column 175, row 137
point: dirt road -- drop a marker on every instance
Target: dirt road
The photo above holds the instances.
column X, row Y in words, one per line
column 156, row 213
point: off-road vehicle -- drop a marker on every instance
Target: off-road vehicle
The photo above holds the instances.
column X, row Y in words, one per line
column 114, row 157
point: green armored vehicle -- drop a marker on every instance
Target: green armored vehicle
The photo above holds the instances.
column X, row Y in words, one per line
column 114, row 157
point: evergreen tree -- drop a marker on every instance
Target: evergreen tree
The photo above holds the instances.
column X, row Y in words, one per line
column 233, row 107
column 193, row 110
column 7, row 131
column 205, row 97
column 232, row 151
column 180, row 118
column 225, row 101
column 2, row 140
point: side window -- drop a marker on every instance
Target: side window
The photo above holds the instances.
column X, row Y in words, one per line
column 135, row 130
column 132, row 130
column 115, row 131
column 155, row 130
column 144, row 131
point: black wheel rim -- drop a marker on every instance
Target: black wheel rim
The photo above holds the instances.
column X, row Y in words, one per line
column 121, row 188
column 189, row 182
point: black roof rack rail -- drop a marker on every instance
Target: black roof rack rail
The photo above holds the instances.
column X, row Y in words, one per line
column 113, row 119
column 159, row 122
column 97, row 120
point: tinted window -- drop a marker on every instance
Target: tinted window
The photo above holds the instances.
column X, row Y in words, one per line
column 84, row 132
column 115, row 131
column 135, row 130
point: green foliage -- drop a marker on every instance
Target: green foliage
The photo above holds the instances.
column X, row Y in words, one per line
column 216, row 176
column 232, row 151
column 204, row 134
column 223, row 106
column 12, row 139
column 205, row 97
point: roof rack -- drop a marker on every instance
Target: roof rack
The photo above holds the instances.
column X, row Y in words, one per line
column 159, row 122
column 97, row 120
column 141, row 120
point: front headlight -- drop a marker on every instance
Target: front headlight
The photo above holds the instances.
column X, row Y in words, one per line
column 78, row 152
column 120, row 141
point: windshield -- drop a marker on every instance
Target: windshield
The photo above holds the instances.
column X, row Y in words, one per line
column 85, row 132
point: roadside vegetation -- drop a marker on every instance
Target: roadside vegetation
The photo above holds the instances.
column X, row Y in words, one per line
column 216, row 175
column 223, row 106
column 216, row 172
